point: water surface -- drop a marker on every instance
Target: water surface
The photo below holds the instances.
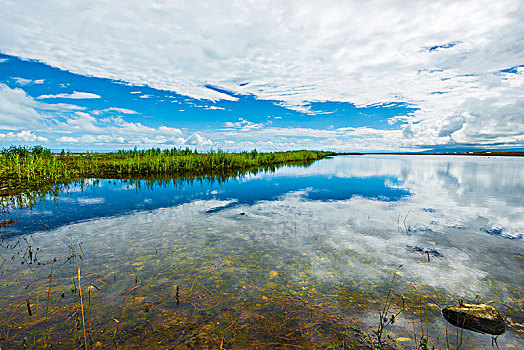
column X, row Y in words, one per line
column 325, row 239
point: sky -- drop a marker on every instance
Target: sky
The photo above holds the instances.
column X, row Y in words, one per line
column 272, row 75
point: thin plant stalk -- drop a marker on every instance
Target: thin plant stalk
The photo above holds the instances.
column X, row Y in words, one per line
column 9, row 318
column 82, row 307
column 384, row 321
column 47, row 305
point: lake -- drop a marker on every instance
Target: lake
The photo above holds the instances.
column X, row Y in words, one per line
column 290, row 258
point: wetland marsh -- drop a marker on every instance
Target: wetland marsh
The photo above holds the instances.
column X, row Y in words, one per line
column 285, row 257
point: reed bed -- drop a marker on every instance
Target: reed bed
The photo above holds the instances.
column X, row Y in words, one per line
column 24, row 168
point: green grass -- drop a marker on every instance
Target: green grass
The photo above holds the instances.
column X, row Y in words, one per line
column 23, row 169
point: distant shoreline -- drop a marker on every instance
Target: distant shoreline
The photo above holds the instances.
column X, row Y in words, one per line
column 478, row 154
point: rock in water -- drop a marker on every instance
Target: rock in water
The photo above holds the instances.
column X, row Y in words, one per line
column 475, row 317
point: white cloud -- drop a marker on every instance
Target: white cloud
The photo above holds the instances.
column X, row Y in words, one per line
column 83, row 122
column 198, row 140
column 120, row 110
column 243, row 125
column 67, row 139
column 65, row 123
column 87, row 129
column 22, row 81
column 22, row 136
column 75, row 96
column 340, row 139
column 93, row 139
column 59, row 107
column 165, row 130
column 16, row 109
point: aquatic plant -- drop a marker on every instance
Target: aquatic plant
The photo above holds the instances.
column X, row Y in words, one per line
column 386, row 316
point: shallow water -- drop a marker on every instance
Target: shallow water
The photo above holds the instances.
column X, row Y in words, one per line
column 291, row 258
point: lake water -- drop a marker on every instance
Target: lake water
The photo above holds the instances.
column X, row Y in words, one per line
column 291, row 258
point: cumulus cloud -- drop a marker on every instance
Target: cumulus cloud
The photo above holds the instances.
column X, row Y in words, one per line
column 24, row 135
column 82, row 122
column 69, row 124
column 198, row 140
column 16, row 109
column 87, row 129
column 444, row 58
column 93, row 139
column 337, row 139
column 476, row 121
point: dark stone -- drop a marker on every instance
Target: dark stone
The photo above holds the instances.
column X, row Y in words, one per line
column 475, row 317
column 432, row 252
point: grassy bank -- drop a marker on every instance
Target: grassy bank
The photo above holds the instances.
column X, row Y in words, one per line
column 24, row 169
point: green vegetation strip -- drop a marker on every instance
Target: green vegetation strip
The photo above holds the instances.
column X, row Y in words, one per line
column 23, row 169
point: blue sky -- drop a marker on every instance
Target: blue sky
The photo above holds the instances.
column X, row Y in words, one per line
column 401, row 76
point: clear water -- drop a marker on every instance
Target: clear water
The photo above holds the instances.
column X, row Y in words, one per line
column 329, row 236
